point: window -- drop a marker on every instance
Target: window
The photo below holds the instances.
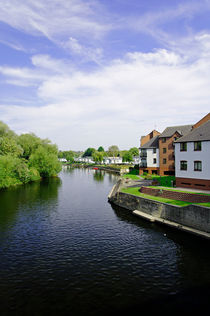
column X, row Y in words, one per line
column 164, row 161
column 154, row 160
column 197, row 146
column 163, row 140
column 183, row 146
column 154, row 150
column 164, row 150
column 197, row 165
column 183, row 165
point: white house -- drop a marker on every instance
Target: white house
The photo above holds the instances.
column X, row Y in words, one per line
column 149, row 157
column 192, row 158
column 136, row 160
column 112, row 160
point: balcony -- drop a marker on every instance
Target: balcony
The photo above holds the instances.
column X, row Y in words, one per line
column 143, row 154
column 143, row 165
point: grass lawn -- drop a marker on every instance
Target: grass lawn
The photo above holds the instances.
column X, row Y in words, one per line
column 135, row 191
column 131, row 176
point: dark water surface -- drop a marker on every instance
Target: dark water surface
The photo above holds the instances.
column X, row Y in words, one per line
column 64, row 250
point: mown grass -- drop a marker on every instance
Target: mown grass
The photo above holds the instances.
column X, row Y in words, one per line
column 131, row 176
column 135, row 191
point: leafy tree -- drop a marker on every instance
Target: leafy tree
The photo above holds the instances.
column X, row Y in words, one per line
column 46, row 163
column 8, row 145
column 29, row 142
column 127, row 157
column 5, row 130
column 100, row 149
column 98, row 156
column 113, row 151
column 134, row 151
column 89, row 152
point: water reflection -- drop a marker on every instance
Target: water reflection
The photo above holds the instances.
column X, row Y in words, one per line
column 99, row 175
column 16, row 198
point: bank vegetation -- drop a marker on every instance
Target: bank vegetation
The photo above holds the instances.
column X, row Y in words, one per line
column 25, row 158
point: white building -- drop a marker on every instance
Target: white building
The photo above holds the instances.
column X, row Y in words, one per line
column 136, row 160
column 112, row 160
column 192, row 158
column 149, row 157
column 84, row 159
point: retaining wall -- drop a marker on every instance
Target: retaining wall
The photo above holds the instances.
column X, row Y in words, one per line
column 192, row 216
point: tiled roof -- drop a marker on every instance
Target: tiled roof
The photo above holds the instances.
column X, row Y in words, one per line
column 200, row 133
column 152, row 143
column 182, row 130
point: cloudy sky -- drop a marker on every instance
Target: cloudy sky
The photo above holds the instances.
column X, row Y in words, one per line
column 86, row 73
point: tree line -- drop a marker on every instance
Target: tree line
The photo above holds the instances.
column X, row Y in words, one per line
column 25, row 158
column 99, row 154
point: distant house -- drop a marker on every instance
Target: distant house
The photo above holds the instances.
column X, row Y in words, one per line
column 149, row 157
column 112, row 160
column 192, row 153
column 136, row 160
column 62, row 159
column 84, row 159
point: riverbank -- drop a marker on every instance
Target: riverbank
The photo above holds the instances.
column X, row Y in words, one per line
column 119, row 169
column 188, row 217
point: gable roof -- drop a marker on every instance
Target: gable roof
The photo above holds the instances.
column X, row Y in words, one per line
column 200, row 133
column 181, row 129
column 152, row 143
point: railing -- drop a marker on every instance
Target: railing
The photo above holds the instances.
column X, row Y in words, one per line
column 143, row 165
column 144, row 154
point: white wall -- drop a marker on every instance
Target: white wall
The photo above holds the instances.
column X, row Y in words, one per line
column 151, row 156
column 190, row 156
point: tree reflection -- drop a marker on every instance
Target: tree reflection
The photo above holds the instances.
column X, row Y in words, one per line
column 15, row 199
column 99, row 175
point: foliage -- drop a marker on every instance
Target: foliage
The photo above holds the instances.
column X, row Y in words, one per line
column 89, row 152
column 25, row 158
column 98, row 156
column 45, row 162
column 113, row 151
column 8, row 145
column 134, row 151
column 100, row 149
column 127, row 157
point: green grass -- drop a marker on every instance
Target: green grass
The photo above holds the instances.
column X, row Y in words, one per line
column 131, row 176
column 135, row 191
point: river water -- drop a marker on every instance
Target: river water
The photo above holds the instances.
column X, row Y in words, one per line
column 64, row 250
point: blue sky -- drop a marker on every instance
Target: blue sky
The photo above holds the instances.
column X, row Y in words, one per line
column 90, row 73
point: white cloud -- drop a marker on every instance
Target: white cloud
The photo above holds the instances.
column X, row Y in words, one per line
column 114, row 104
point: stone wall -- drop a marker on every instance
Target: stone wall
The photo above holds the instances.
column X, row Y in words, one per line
column 193, row 216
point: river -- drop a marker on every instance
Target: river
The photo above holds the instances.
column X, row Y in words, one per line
column 64, row 250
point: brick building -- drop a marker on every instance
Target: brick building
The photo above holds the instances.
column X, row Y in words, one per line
column 166, row 147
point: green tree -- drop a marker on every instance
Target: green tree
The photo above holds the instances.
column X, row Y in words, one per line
column 127, row 157
column 8, row 145
column 100, row 149
column 89, row 152
column 98, row 156
column 29, row 142
column 113, row 151
column 46, row 163
column 134, row 151
column 5, row 130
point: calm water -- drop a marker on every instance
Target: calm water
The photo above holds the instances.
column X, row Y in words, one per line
column 64, row 250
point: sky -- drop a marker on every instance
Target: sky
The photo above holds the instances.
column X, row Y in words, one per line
column 90, row 73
